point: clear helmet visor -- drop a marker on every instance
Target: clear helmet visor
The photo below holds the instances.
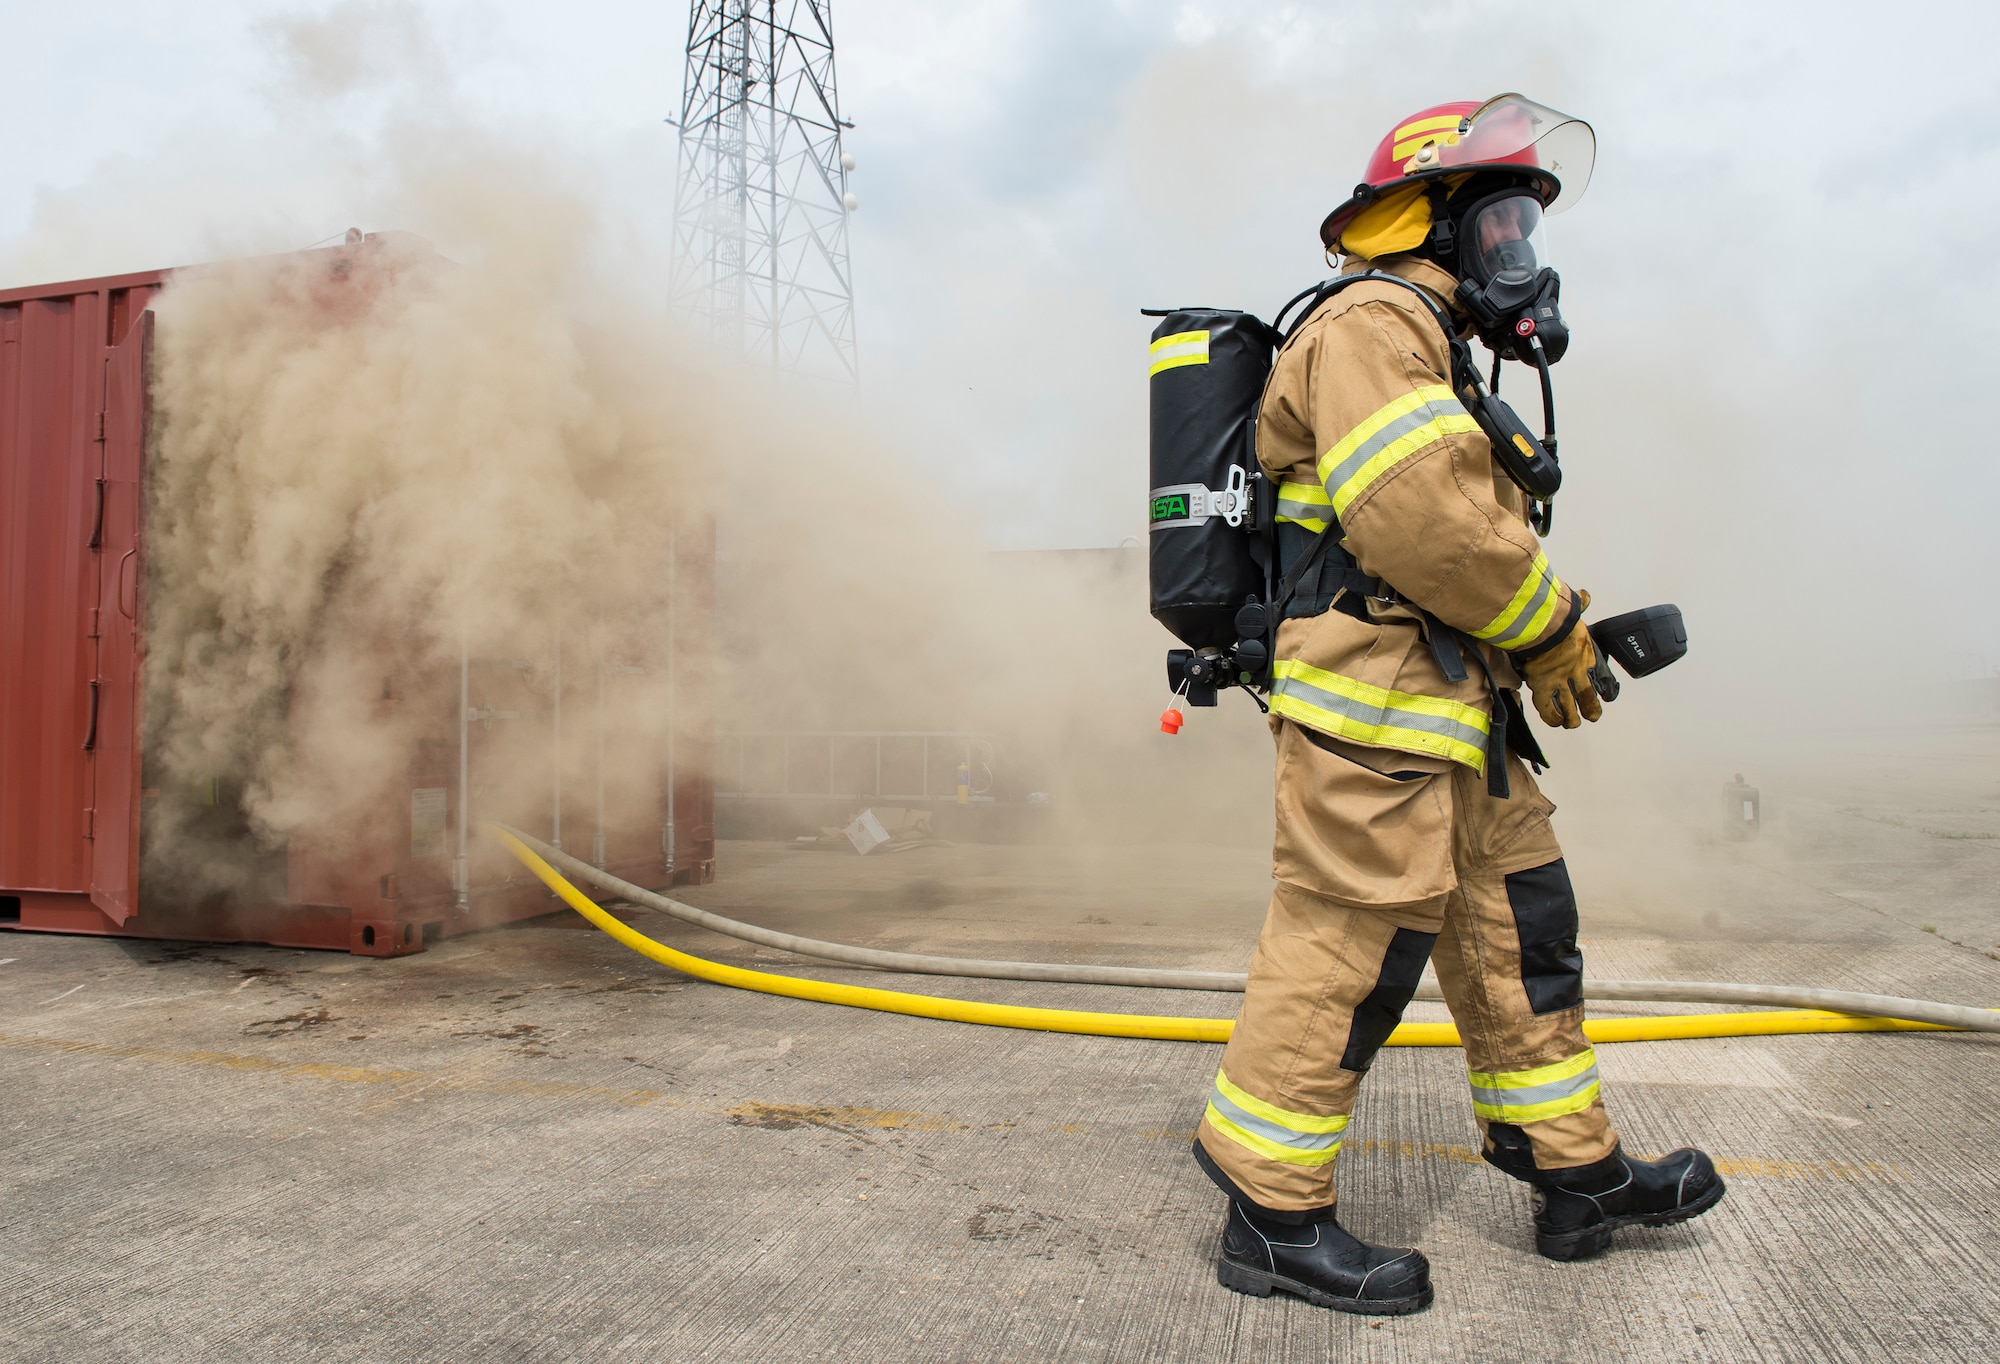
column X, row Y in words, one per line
column 1513, row 128
column 1507, row 242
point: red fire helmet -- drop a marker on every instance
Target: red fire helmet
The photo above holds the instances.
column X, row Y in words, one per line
column 1552, row 152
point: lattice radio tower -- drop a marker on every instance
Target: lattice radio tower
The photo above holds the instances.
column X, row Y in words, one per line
column 761, row 205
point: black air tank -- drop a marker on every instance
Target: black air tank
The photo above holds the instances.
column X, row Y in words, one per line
column 1207, row 373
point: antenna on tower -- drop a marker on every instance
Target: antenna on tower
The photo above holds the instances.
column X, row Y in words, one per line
column 761, row 204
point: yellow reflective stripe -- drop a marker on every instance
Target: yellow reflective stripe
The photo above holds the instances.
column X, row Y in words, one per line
column 1531, row 1095
column 1270, row 1112
column 1369, row 714
column 1524, row 618
column 1302, row 504
column 1540, row 1075
column 1403, row 149
column 1427, row 125
column 1267, row 1148
column 1539, row 622
column 1389, row 435
column 1182, row 348
column 1553, row 1108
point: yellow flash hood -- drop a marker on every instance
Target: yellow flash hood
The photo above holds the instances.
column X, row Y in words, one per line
column 1398, row 221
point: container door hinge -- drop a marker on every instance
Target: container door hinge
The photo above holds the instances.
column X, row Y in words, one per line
column 99, row 437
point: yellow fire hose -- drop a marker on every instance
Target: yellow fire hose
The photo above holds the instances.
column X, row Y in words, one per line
column 1164, row 1028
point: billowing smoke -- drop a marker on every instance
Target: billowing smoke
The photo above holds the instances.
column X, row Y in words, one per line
column 368, row 461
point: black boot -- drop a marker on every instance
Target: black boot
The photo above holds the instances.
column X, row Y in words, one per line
column 1577, row 1210
column 1308, row 1254
column 1322, row 1263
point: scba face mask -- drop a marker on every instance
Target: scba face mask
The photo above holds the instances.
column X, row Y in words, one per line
column 1507, row 283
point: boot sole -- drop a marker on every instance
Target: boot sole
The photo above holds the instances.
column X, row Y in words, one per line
column 1581, row 1245
column 1259, row 1284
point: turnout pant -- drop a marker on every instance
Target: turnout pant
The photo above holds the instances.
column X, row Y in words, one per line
column 1385, row 861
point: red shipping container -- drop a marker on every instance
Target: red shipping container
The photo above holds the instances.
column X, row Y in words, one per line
column 75, row 421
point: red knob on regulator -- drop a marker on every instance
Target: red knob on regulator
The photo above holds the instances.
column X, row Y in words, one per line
column 1170, row 720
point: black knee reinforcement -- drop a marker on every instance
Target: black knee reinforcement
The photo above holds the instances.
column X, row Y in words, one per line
column 1377, row 1015
column 1545, row 918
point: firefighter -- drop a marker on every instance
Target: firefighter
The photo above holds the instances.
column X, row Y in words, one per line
column 1408, row 826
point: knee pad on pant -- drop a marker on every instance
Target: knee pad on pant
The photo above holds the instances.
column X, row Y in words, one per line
column 1544, row 906
column 1377, row 1015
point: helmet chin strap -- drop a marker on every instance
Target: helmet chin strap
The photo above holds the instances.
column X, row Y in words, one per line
column 1443, row 239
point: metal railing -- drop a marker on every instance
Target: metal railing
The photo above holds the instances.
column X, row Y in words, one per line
column 909, row 765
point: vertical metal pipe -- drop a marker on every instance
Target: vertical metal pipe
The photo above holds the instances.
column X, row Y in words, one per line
column 771, row 144
column 555, row 748
column 461, row 883
column 597, row 843
column 673, row 714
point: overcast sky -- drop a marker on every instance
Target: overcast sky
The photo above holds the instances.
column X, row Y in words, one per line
column 1779, row 281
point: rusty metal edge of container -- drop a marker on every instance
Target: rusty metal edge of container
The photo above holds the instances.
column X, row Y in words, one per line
column 72, row 287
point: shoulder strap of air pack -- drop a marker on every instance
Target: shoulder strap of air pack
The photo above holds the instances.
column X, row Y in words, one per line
column 1461, row 354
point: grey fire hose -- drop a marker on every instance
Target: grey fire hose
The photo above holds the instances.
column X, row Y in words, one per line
column 1645, row 991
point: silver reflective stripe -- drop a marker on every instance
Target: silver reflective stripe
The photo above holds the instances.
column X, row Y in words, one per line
column 1270, row 1131
column 1182, row 348
column 1376, row 716
column 1388, row 435
column 1529, row 612
column 1291, row 508
column 1517, row 1099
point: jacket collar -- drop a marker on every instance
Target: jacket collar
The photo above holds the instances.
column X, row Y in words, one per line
column 1431, row 279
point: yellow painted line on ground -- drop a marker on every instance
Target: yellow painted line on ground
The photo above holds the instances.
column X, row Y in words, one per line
column 351, row 1075
column 749, row 1112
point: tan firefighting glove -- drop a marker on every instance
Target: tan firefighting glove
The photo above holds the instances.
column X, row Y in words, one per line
column 1560, row 678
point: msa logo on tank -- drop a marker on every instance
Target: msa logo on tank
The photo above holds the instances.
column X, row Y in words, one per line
column 1195, row 504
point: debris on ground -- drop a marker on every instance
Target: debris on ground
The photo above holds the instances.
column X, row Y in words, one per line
column 876, row 829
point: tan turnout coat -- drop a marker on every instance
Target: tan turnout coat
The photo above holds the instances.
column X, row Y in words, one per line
column 1359, row 421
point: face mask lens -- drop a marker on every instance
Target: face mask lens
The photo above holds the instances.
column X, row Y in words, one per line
column 1510, row 243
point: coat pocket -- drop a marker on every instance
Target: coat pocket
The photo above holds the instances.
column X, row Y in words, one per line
column 1357, row 835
